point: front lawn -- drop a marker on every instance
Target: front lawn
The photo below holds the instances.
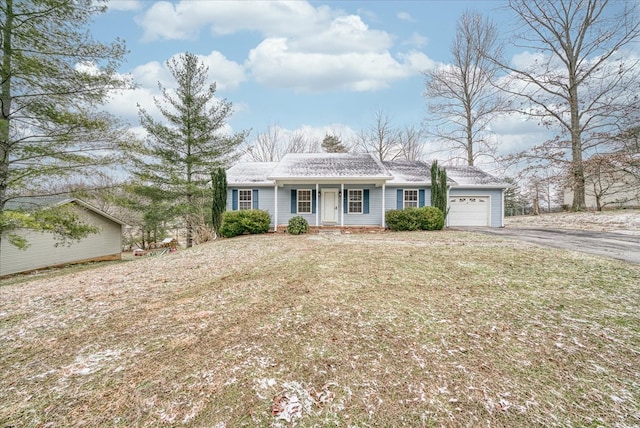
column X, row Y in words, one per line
column 389, row 329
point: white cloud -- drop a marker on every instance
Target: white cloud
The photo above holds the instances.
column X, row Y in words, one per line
column 416, row 40
column 344, row 34
column 305, row 48
column 273, row 64
column 185, row 19
column 405, row 16
column 125, row 5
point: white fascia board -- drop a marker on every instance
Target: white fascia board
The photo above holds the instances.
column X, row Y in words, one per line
column 324, row 180
column 251, row 184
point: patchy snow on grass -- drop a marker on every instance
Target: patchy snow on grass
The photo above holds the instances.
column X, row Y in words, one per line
column 619, row 221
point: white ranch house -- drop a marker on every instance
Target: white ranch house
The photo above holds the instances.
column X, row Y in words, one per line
column 355, row 190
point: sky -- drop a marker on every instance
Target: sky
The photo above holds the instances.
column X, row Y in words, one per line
column 313, row 66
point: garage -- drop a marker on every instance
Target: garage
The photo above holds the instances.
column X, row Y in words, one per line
column 468, row 211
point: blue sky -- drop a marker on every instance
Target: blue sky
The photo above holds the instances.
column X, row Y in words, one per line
column 316, row 67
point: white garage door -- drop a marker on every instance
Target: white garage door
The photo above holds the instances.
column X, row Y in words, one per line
column 469, row 211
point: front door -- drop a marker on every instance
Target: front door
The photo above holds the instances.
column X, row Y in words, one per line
column 330, row 205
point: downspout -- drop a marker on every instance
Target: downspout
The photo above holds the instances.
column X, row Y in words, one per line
column 317, row 204
column 275, row 211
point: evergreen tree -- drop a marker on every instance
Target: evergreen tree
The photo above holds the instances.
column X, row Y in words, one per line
column 53, row 77
column 332, row 144
column 219, row 196
column 180, row 153
column 439, row 188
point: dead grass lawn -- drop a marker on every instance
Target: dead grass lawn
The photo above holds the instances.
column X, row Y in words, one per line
column 395, row 329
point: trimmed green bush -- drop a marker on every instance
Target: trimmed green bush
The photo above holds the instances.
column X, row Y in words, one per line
column 251, row 222
column 425, row 218
column 297, row 225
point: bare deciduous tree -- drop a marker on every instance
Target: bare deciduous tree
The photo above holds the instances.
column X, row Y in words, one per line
column 381, row 139
column 579, row 79
column 462, row 97
column 410, row 139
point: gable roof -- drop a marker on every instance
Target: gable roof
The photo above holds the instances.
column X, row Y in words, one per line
column 251, row 173
column 32, row 203
column 471, row 176
column 354, row 167
column 319, row 166
column 411, row 172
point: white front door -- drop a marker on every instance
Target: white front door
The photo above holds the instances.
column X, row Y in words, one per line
column 330, row 204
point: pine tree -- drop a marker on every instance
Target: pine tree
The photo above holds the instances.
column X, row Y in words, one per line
column 53, row 78
column 332, row 144
column 181, row 152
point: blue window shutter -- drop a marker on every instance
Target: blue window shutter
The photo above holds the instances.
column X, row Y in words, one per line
column 234, row 199
column 421, row 198
column 294, row 201
column 313, row 201
column 345, row 201
column 400, row 198
column 255, row 199
column 365, row 201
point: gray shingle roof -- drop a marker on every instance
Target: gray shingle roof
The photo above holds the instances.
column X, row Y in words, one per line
column 353, row 166
column 472, row 176
column 251, row 173
column 32, row 203
column 329, row 165
column 35, row 202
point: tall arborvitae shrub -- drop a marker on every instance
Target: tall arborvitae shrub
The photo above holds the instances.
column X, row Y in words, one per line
column 219, row 196
column 439, row 187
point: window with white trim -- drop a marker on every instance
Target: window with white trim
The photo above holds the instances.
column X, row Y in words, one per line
column 410, row 198
column 245, row 199
column 304, row 201
column 355, row 201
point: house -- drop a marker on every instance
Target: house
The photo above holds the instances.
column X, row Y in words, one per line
column 42, row 251
column 355, row 190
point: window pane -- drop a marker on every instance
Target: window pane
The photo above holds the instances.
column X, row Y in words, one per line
column 304, row 201
column 411, row 198
column 355, row 201
column 244, row 200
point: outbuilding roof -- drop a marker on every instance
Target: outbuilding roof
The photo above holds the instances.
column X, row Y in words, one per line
column 32, row 203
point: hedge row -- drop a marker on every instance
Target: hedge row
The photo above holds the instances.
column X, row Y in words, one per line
column 425, row 218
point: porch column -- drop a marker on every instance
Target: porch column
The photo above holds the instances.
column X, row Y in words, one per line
column 275, row 210
column 341, row 205
column 383, row 210
column 502, row 216
column 317, row 203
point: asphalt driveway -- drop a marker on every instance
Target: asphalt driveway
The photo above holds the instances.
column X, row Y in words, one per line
column 612, row 245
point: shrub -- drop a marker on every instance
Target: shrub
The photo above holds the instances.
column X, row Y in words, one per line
column 236, row 223
column 398, row 220
column 433, row 217
column 425, row 218
column 297, row 225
